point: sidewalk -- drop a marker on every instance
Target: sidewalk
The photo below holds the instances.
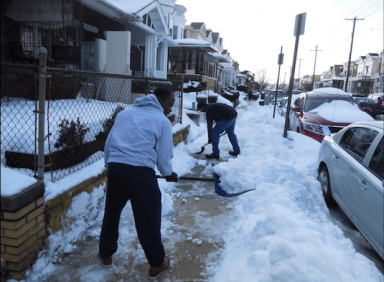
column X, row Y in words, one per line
column 189, row 235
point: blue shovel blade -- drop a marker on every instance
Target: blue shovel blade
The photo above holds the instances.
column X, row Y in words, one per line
column 220, row 190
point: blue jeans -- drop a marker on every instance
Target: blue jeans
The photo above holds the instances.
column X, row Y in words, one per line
column 229, row 127
column 139, row 185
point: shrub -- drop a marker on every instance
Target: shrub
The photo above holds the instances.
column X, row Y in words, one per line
column 108, row 124
column 72, row 134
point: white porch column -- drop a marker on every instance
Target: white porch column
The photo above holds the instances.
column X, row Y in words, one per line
column 150, row 55
column 163, row 60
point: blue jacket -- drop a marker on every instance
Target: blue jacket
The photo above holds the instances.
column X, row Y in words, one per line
column 141, row 136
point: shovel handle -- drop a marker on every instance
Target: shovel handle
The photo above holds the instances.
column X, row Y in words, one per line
column 210, row 143
column 190, row 178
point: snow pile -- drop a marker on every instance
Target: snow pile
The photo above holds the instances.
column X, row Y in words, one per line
column 330, row 90
column 283, row 232
column 341, row 111
column 14, row 181
column 194, row 84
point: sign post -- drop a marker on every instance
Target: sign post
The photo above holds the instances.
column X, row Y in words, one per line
column 279, row 62
column 299, row 30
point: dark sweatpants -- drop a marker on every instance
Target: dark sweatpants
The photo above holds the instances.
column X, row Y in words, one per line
column 139, row 185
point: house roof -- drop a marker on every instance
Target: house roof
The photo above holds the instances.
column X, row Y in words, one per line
column 197, row 25
column 110, row 9
column 131, row 6
column 215, row 36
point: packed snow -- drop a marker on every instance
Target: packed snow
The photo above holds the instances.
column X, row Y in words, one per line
column 330, row 90
column 341, row 111
column 282, row 230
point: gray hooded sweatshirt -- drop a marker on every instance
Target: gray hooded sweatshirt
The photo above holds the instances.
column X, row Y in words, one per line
column 141, row 136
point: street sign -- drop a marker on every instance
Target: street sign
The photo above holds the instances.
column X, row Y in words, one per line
column 300, row 18
column 280, row 59
column 377, row 84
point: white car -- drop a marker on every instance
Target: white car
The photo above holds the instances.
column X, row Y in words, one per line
column 351, row 174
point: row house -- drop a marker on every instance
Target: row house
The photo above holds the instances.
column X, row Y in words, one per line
column 199, row 56
column 366, row 76
column 130, row 37
column 136, row 37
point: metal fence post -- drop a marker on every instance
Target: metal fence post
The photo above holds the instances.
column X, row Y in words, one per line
column 41, row 111
column 181, row 100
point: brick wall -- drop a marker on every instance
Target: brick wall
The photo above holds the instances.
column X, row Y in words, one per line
column 22, row 230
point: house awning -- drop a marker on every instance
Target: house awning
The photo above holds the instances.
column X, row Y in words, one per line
column 191, row 42
column 222, row 59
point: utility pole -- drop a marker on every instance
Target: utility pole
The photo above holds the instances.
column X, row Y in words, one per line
column 350, row 52
column 313, row 78
column 298, row 80
column 285, row 73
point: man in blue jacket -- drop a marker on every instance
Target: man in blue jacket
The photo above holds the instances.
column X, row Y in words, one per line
column 225, row 117
column 141, row 138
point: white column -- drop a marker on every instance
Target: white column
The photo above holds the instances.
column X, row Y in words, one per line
column 163, row 60
column 150, row 55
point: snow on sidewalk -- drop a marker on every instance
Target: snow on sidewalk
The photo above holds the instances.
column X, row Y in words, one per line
column 280, row 232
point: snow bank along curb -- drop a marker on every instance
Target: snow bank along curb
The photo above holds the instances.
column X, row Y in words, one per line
column 22, row 230
column 25, row 219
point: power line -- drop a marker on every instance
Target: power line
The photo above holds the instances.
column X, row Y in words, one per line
column 358, row 9
column 372, row 6
column 349, row 15
column 374, row 12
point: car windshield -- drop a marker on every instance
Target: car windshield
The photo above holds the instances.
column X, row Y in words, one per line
column 314, row 102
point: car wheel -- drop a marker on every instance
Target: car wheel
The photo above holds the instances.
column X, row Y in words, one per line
column 326, row 186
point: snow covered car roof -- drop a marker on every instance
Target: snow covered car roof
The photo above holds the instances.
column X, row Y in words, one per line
column 329, row 90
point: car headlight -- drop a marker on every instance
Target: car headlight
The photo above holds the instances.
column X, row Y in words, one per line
column 317, row 128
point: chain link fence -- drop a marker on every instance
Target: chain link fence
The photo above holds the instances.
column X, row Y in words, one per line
column 80, row 109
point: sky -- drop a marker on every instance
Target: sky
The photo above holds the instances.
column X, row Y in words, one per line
column 254, row 31
column 282, row 231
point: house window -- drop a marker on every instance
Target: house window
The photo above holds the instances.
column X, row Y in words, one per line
column 175, row 30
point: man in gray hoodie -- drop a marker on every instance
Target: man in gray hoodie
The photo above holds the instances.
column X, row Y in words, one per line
column 141, row 138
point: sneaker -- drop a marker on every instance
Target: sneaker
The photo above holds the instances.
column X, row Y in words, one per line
column 106, row 262
column 212, row 156
column 232, row 153
column 155, row 272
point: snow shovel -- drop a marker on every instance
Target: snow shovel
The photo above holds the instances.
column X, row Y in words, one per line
column 203, row 147
column 190, row 178
column 220, row 190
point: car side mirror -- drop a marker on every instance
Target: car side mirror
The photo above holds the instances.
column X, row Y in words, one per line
column 296, row 109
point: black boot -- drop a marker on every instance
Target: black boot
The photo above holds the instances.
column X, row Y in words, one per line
column 212, row 156
column 232, row 153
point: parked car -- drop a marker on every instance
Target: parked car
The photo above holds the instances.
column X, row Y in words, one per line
column 369, row 106
column 324, row 111
column 358, row 95
column 351, row 174
column 296, row 92
column 282, row 106
column 375, row 97
column 280, row 95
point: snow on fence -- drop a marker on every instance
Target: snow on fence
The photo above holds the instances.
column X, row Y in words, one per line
column 80, row 109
